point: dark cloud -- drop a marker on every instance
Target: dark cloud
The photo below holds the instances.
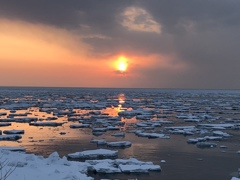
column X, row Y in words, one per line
column 204, row 34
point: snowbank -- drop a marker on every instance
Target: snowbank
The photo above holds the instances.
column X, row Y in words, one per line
column 30, row 166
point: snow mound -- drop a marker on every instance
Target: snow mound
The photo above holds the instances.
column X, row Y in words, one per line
column 30, row 166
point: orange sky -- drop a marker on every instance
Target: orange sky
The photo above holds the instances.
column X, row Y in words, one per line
column 40, row 55
column 165, row 44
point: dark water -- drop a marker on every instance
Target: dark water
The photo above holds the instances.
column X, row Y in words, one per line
column 183, row 160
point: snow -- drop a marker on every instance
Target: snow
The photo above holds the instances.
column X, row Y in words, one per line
column 30, row 166
column 90, row 154
column 235, row 178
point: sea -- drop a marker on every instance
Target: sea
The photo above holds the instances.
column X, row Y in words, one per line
column 200, row 128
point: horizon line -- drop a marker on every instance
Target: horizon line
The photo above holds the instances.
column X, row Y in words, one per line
column 85, row 87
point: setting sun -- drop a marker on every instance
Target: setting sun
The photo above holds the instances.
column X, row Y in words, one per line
column 122, row 64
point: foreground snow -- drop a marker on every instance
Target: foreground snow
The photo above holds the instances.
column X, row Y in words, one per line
column 29, row 166
column 234, row 178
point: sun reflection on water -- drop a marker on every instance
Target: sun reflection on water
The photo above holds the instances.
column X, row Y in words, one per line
column 121, row 101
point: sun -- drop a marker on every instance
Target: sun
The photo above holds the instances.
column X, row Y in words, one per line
column 122, row 64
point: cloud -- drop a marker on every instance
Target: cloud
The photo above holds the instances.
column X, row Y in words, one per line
column 24, row 41
column 169, row 43
column 138, row 19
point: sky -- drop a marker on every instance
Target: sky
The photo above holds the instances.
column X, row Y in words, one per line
column 159, row 43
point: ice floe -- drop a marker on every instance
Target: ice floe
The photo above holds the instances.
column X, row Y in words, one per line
column 11, row 148
column 54, row 124
column 80, row 125
column 206, row 138
column 130, row 165
column 99, row 141
column 21, row 120
column 206, row 145
column 10, row 137
column 220, row 133
column 216, row 126
column 120, row 134
column 151, row 135
column 91, row 154
column 5, row 124
column 119, row 144
column 13, row 131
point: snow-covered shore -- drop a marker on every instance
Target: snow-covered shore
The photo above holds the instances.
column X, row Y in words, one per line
column 21, row 165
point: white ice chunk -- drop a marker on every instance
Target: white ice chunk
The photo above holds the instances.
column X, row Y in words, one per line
column 113, row 128
column 98, row 153
column 12, row 148
column 220, row 133
column 216, row 125
column 120, row 134
column 139, row 168
column 105, row 167
column 99, row 129
column 119, row 144
column 99, row 142
column 179, row 127
column 235, row 178
column 122, row 165
column 152, row 135
column 46, row 124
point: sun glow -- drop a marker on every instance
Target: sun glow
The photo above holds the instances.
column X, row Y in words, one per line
column 122, row 64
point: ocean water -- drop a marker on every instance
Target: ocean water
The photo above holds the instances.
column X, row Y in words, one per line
column 98, row 105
